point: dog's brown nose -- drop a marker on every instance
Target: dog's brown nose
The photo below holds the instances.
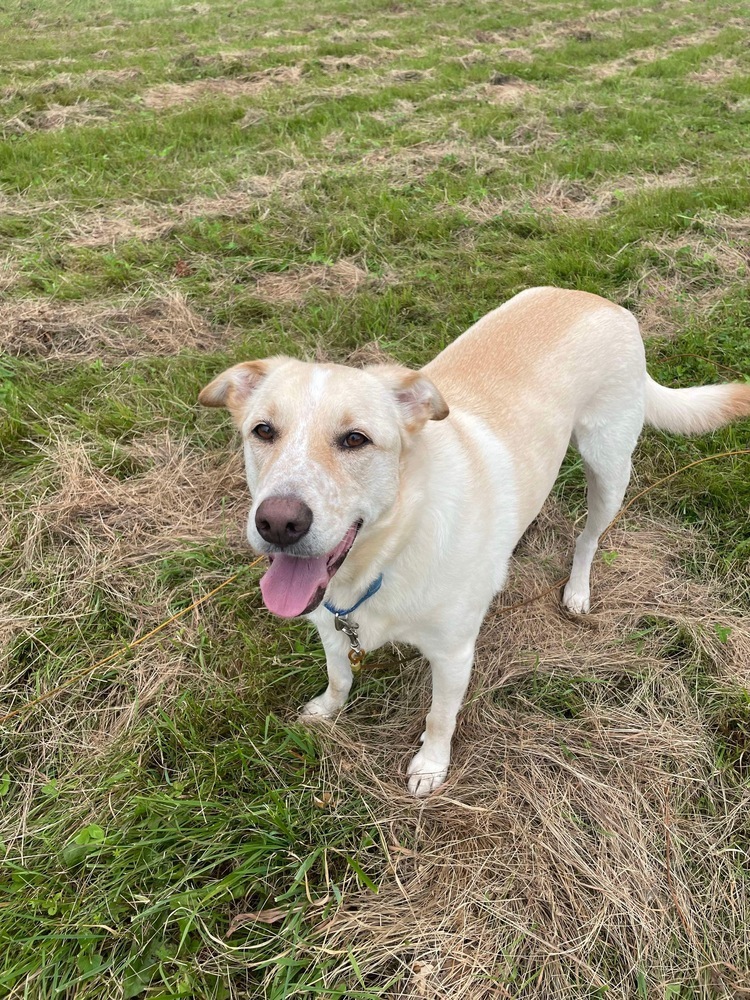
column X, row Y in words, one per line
column 283, row 520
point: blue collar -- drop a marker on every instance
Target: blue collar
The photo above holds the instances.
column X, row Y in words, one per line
column 372, row 589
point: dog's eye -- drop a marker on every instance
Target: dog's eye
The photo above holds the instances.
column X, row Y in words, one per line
column 264, row 431
column 354, row 439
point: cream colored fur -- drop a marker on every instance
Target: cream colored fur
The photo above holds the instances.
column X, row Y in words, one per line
column 445, row 496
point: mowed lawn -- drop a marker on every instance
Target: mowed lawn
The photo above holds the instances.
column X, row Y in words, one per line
column 183, row 186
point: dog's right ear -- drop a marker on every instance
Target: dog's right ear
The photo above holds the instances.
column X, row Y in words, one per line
column 234, row 386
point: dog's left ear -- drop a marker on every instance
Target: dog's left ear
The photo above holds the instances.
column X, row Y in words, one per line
column 417, row 397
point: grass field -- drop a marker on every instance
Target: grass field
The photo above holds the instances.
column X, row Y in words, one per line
column 185, row 186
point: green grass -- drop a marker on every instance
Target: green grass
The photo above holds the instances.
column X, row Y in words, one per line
column 142, row 812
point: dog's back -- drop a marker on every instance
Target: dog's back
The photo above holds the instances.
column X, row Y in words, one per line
column 538, row 367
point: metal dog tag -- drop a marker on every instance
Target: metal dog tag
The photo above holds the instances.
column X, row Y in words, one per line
column 351, row 631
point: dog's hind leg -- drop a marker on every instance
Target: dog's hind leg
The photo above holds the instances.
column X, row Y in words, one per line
column 606, row 445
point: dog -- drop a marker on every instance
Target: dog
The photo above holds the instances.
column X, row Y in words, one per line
column 400, row 495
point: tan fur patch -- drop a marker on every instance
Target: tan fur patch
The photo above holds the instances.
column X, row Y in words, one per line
column 500, row 353
column 739, row 402
column 232, row 388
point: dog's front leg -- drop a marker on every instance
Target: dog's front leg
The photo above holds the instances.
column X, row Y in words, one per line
column 451, row 670
column 339, row 669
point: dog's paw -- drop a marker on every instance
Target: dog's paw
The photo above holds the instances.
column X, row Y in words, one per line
column 318, row 709
column 576, row 602
column 425, row 774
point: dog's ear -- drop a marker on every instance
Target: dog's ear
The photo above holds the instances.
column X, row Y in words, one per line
column 233, row 387
column 417, row 397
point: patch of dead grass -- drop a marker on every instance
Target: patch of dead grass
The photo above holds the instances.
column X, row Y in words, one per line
column 639, row 57
column 87, row 540
column 169, row 95
column 506, row 89
column 715, row 70
column 400, row 111
column 340, row 64
column 405, row 164
column 66, row 81
column 664, row 302
column 145, row 222
column 410, row 75
column 345, row 277
column 733, row 227
column 573, row 199
column 9, row 274
column 730, row 258
column 684, row 282
column 370, row 353
column 584, row 818
column 161, row 325
column 57, row 116
column 220, row 62
column 32, row 65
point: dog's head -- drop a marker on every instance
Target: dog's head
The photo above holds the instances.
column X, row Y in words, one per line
column 323, row 446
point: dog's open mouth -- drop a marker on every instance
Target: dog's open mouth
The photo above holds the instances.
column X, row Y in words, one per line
column 293, row 586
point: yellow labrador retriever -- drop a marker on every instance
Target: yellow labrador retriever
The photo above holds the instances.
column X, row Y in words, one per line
column 399, row 495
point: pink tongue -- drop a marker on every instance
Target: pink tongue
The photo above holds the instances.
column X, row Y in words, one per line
column 290, row 584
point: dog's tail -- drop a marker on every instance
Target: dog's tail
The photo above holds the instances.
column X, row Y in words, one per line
column 697, row 410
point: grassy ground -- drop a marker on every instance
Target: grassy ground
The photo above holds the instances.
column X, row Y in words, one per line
column 186, row 186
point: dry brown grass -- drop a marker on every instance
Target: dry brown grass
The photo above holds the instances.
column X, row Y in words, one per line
column 63, row 81
column 639, row 57
column 32, row 65
column 730, row 256
column 575, row 844
column 663, row 303
column 405, row 164
column 159, row 325
column 683, row 283
column 89, row 539
column 340, row 64
column 9, row 273
column 715, row 70
column 140, row 221
column 569, row 198
column 503, row 89
column 169, row 95
column 345, row 277
column 56, row 116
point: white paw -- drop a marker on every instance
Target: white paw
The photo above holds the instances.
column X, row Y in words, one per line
column 426, row 774
column 321, row 707
column 576, row 601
